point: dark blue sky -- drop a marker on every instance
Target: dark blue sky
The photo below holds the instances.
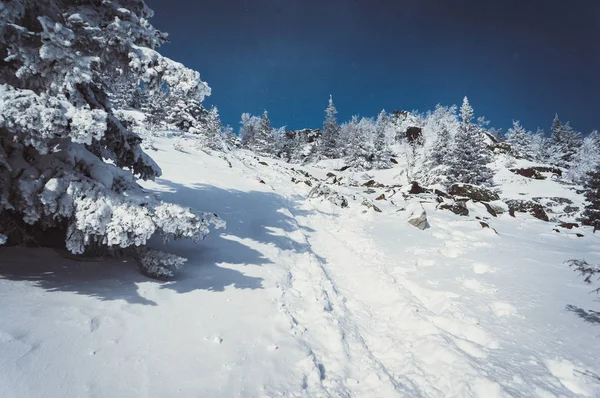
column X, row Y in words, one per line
column 515, row 59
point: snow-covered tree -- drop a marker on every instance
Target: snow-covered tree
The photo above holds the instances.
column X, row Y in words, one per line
column 330, row 145
column 586, row 159
column 259, row 135
column 565, row 143
column 68, row 166
column 519, row 140
column 382, row 141
column 357, row 135
column 540, row 146
column 591, row 214
column 210, row 131
column 470, row 157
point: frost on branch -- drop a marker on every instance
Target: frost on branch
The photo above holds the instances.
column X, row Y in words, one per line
column 157, row 264
column 68, row 163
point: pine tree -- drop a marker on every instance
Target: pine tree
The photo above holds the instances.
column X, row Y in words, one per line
column 210, row 131
column 260, row 136
column 381, row 145
column 68, row 166
column 565, row 143
column 519, row 140
column 441, row 150
column 591, row 214
column 470, row 156
column 329, row 146
column 586, row 159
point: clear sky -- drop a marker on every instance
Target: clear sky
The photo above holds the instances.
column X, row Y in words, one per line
column 515, row 59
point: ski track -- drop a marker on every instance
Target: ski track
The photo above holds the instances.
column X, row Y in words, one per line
column 373, row 332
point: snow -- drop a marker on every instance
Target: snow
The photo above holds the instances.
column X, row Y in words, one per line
column 299, row 297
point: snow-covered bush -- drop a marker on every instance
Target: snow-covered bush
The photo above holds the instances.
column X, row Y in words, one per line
column 68, row 165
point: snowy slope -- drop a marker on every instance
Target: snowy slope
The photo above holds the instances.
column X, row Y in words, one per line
column 299, row 297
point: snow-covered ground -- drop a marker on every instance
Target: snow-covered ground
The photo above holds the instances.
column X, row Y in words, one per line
column 299, row 297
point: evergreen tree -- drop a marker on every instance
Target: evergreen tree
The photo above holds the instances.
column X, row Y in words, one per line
column 470, row 157
column 591, row 214
column 586, row 159
column 381, row 146
column 329, row 146
column 565, row 143
column 211, row 131
column 68, row 166
column 260, row 136
column 519, row 140
column 441, row 150
column 539, row 146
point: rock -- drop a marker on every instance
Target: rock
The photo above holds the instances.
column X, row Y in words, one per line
column 413, row 133
column 569, row 225
column 330, row 174
column 545, row 169
column 441, row 194
column 416, row 189
column 380, row 197
column 417, row 216
column 261, row 182
column 579, row 235
column 571, row 209
column 556, row 199
column 307, row 182
column 344, row 168
column 373, row 184
column 458, row 207
column 323, row 191
column 393, row 160
column 263, row 163
column 529, row 172
column 473, row 192
column 527, row 206
column 484, row 224
column 490, row 209
column 371, row 206
column 556, row 230
column 370, row 191
column 511, row 212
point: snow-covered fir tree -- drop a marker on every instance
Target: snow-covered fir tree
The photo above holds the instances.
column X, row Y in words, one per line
column 470, row 157
column 565, row 143
column 68, row 166
column 381, row 145
column 330, row 145
column 591, row 213
column 586, row 159
column 260, row 135
column 519, row 140
column 358, row 149
column 210, row 131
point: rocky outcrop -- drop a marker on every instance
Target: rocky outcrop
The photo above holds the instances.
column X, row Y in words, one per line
column 527, row 206
column 459, row 207
column 414, row 133
column 373, row 184
column 325, row 192
column 473, row 192
column 535, row 172
column 416, row 189
column 370, row 205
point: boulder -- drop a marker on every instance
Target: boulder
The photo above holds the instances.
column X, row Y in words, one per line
column 323, row 191
column 370, row 205
column 527, row 206
column 569, row 225
column 263, row 163
column 529, row 172
column 473, row 192
column 344, row 168
column 393, row 160
column 416, row 189
column 417, row 216
column 413, row 133
column 330, row 174
column 441, row 194
column 373, row 184
column 380, row 197
column 459, row 207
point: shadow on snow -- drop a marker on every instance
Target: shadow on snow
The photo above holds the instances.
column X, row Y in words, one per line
column 253, row 218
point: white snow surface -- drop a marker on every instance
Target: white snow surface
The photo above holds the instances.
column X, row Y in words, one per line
column 300, row 298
